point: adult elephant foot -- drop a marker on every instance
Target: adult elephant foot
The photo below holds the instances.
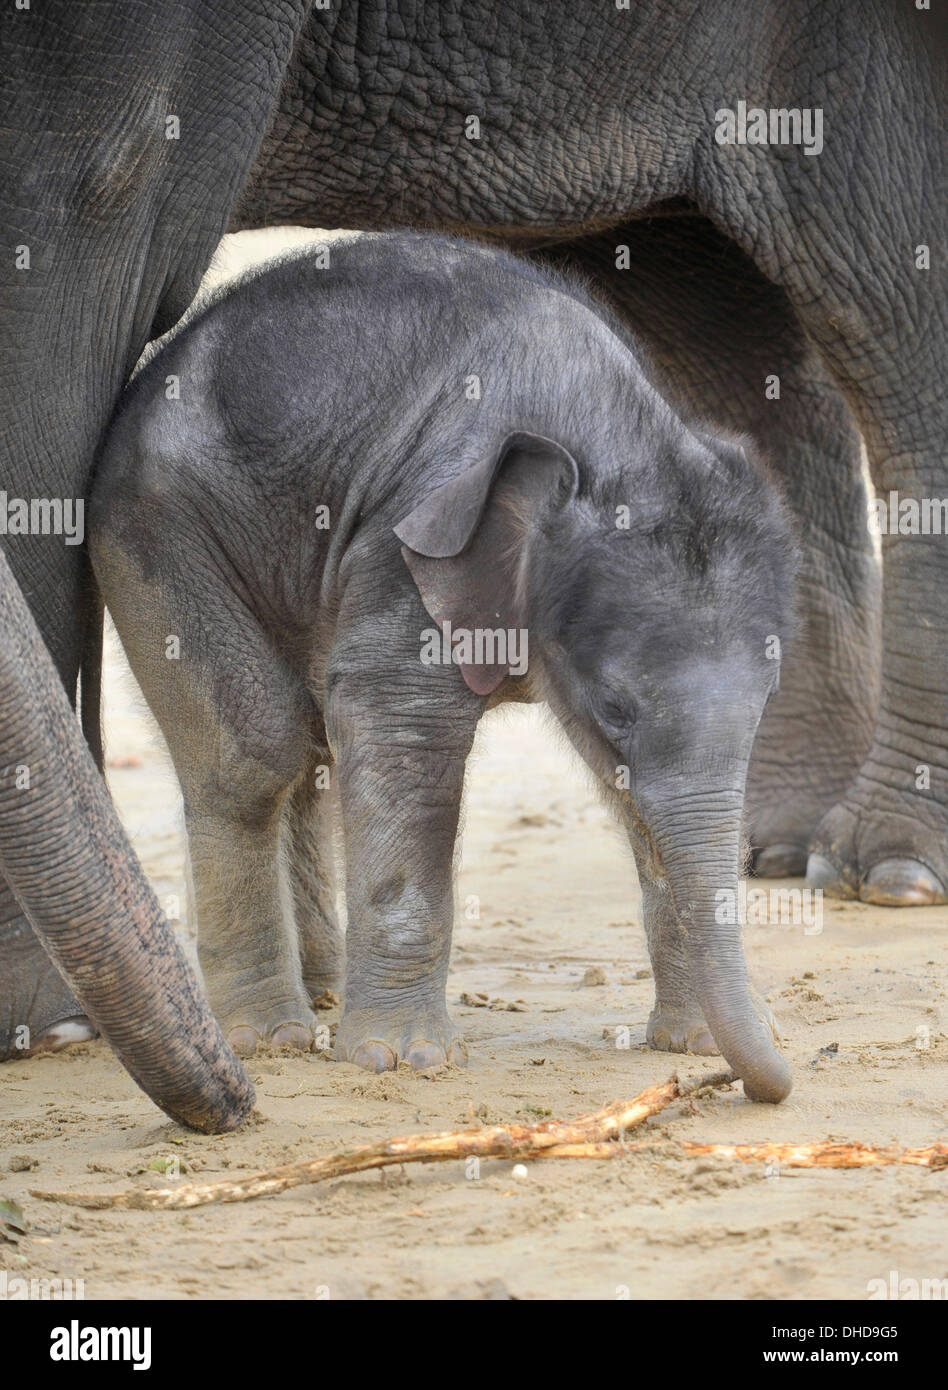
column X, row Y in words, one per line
column 38, row 1010
column 882, row 846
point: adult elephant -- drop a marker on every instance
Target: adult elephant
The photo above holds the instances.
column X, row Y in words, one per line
column 126, row 134
column 138, row 142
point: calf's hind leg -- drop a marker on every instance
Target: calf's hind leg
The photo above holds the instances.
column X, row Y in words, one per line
column 311, row 817
column 247, row 942
column 237, row 725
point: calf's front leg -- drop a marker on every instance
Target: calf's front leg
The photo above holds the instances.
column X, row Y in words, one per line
column 400, row 755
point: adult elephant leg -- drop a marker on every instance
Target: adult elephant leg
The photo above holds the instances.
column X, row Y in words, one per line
column 728, row 349
column 886, row 841
column 852, row 234
column 116, row 187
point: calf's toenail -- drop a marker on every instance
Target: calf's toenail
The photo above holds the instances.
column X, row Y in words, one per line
column 374, row 1056
column 244, row 1039
column 295, row 1035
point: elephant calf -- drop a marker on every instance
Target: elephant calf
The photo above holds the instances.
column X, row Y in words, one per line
column 346, row 508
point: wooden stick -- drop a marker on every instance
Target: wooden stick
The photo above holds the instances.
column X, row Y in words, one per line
column 818, row 1155
column 586, row 1137
column 591, row 1136
column 822, row 1155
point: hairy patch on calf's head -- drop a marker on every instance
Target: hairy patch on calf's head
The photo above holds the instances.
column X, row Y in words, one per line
column 707, row 557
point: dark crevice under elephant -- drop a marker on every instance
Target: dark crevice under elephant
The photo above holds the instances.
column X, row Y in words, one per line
column 132, row 138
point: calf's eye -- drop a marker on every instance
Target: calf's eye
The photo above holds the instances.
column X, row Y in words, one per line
column 616, row 714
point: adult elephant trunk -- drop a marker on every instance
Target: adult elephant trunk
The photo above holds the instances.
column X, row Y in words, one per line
column 66, row 858
column 698, row 837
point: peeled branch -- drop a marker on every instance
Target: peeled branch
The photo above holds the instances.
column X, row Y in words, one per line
column 587, row 1137
column 822, row 1155
column 600, row 1135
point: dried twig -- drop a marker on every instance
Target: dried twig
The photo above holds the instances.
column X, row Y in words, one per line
column 586, row 1137
column 591, row 1136
column 822, row 1155
column 819, row 1155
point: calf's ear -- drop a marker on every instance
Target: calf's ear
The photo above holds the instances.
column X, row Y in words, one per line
column 464, row 542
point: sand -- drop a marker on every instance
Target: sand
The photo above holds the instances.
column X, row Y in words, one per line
column 862, row 1006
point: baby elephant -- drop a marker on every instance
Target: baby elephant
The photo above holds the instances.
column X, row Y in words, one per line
column 347, row 508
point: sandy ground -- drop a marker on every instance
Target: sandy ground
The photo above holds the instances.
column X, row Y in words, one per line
column 862, row 1006
column 557, row 897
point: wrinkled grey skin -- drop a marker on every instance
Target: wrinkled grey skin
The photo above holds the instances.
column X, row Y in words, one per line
column 119, row 224
column 591, row 118
column 713, row 346
column 612, row 117
column 301, row 647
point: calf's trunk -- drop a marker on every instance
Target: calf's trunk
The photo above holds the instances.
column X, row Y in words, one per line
column 699, row 843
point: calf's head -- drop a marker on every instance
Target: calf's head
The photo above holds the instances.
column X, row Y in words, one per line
column 656, row 594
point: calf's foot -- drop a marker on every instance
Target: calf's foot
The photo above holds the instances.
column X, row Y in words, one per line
column 378, row 1038
column 68, row 1030
column 677, row 1027
column 672, row 1028
column 285, row 1023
